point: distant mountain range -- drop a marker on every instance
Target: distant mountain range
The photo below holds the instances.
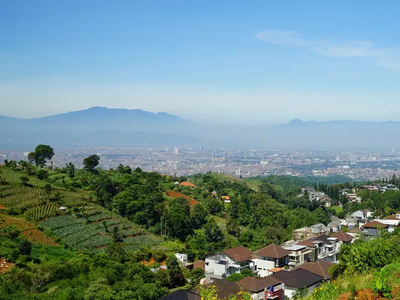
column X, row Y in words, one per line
column 104, row 127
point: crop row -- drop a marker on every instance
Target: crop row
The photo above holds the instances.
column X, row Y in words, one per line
column 43, row 211
column 79, row 237
column 59, row 222
column 94, row 241
column 65, row 231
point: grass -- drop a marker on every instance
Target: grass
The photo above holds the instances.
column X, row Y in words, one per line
column 251, row 183
column 337, row 209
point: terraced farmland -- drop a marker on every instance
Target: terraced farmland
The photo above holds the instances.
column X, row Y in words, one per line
column 27, row 228
column 91, row 229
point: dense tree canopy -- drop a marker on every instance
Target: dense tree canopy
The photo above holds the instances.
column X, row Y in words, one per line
column 41, row 154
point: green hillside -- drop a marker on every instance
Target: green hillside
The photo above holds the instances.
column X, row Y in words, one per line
column 82, row 224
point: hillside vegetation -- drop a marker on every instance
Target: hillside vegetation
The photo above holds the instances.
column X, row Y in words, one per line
column 89, row 233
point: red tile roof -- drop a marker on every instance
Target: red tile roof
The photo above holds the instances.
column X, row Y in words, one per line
column 320, row 268
column 393, row 217
column 187, row 184
column 273, row 251
column 199, row 264
column 239, row 253
column 255, row 285
column 375, row 224
column 343, row 236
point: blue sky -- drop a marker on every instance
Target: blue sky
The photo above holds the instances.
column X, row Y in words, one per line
column 223, row 61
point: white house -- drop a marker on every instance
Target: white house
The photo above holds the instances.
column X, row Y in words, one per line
column 183, row 258
column 270, row 257
column 229, row 262
column 298, row 279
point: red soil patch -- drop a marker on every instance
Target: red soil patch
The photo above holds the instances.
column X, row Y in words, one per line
column 345, row 296
column 3, row 207
column 367, row 294
column 28, row 229
column 151, row 262
column 102, row 246
column 36, row 236
column 4, row 267
column 175, row 195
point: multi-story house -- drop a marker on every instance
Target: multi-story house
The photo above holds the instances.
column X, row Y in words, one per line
column 298, row 254
column 322, row 247
column 371, row 229
column 269, row 258
column 229, row 262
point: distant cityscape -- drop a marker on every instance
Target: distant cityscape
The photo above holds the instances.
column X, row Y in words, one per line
column 357, row 165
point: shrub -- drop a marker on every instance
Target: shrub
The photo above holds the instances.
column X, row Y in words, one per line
column 235, row 277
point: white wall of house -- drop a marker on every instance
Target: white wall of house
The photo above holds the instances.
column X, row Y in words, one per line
column 264, row 265
column 289, row 292
column 213, row 266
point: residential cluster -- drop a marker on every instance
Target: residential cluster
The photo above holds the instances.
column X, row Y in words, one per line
column 279, row 270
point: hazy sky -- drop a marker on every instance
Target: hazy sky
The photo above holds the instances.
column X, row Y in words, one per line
column 238, row 61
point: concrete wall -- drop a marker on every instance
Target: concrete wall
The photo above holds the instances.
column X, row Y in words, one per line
column 263, row 266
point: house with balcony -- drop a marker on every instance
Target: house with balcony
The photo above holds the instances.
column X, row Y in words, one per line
column 263, row 288
column 323, row 247
column 228, row 262
column 269, row 258
column 371, row 229
column 298, row 254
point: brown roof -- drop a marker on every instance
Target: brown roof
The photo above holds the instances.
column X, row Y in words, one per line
column 225, row 288
column 187, row 184
column 238, row 254
column 298, row 278
column 393, row 217
column 375, row 224
column 225, row 198
column 273, row 251
column 343, row 236
column 199, row 264
column 320, row 268
column 355, row 230
column 255, row 285
column 309, row 242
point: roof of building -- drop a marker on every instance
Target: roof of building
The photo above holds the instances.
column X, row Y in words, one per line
column 239, row 253
column 375, row 224
column 182, row 295
column 274, row 270
column 355, row 230
column 320, row 268
column 225, row 198
column 273, row 251
column 199, row 264
column 298, row 278
column 187, row 184
column 255, row 285
column 225, row 288
column 343, row 236
column 392, row 217
column 313, row 241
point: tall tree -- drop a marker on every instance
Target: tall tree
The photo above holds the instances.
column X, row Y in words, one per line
column 174, row 272
column 41, row 154
column 179, row 218
column 91, row 162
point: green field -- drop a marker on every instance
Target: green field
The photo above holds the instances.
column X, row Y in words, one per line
column 337, row 209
